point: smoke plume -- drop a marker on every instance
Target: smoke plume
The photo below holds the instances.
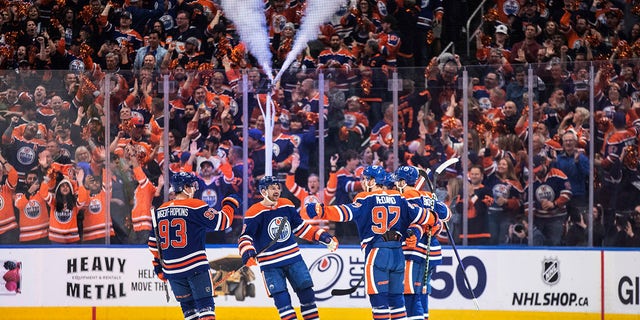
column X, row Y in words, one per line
column 251, row 25
column 316, row 13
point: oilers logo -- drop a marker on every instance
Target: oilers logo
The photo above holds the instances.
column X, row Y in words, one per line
column 500, row 191
column 511, row 7
column 26, row 156
column 545, row 192
column 312, row 198
column 551, row 271
column 388, row 139
column 326, row 272
column 63, row 216
column 485, row 104
column 32, row 209
column 273, row 227
column 276, row 149
column 210, row 197
column 95, row 206
column 65, row 152
column 296, row 139
column 1, row 203
column 233, row 107
column 349, row 120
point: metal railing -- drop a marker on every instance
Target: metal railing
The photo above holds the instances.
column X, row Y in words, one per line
column 471, row 35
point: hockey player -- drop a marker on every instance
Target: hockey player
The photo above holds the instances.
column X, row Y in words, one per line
column 282, row 260
column 417, row 286
column 383, row 217
column 179, row 251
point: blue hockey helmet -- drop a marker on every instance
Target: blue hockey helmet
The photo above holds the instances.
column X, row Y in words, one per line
column 407, row 173
column 182, row 179
column 390, row 180
column 266, row 181
column 376, row 173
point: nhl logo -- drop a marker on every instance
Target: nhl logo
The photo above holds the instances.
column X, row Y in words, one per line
column 550, row 271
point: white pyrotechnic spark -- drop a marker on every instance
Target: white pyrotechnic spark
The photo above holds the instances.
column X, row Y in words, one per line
column 316, row 13
column 251, row 25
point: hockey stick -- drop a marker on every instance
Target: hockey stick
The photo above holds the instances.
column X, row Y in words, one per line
column 424, row 175
column 439, row 170
column 426, row 264
column 155, row 231
column 269, row 245
column 464, row 271
column 344, row 292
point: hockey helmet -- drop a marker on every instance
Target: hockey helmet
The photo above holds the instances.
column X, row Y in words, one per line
column 182, row 179
column 266, row 181
column 376, row 173
column 390, row 180
column 407, row 173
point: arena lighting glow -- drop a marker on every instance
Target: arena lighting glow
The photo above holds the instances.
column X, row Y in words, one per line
column 250, row 21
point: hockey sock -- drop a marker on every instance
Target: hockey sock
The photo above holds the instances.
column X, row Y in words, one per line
column 308, row 304
column 396, row 306
column 283, row 303
column 379, row 306
column 413, row 306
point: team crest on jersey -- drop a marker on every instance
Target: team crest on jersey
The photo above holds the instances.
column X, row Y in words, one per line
column 273, row 227
column 485, row 104
column 95, row 206
column 233, row 107
column 388, row 138
column 349, row 120
column 65, row 152
column 551, row 271
column 63, row 216
column 276, row 149
column 311, row 199
column 545, row 192
column 296, row 139
column 26, row 155
column 32, row 209
column 210, row 196
column 500, row 191
column 1, row 203
column 511, row 7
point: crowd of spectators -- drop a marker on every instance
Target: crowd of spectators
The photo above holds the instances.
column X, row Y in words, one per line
column 57, row 58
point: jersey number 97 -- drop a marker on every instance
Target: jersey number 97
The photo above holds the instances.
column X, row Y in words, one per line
column 384, row 218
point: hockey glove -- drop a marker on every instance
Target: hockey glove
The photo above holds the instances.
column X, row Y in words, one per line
column 314, row 210
column 251, row 262
column 157, row 268
column 411, row 241
column 441, row 209
column 437, row 227
column 249, row 258
column 232, row 200
column 329, row 241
